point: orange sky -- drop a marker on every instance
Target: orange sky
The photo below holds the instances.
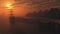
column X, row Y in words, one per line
column 18, row 11
column 24, row 7
column 29, row 6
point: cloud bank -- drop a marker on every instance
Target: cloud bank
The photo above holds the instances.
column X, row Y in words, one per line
column 37, row 1
column 40, row 4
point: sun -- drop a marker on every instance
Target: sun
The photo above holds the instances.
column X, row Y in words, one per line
column 9, row 6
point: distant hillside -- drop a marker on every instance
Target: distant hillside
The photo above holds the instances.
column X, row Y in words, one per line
column 53, row 13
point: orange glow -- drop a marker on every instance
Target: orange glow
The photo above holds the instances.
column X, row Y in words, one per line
column 9, row 6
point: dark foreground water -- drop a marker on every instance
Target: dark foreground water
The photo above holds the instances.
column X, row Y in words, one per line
column 27, row 28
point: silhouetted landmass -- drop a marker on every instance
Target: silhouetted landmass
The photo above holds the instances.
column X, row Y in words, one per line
column 43, row 22
column 51, row 26
column 35, row 14
column 53, row 13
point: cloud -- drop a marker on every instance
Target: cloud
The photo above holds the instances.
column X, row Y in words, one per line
column 39, row 3
column 33, row 2
column 30, row 1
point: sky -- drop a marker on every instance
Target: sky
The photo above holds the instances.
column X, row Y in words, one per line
column 22, row 7
column 40, row 3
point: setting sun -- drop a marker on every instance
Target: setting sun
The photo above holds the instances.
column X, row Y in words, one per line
column 8, row 5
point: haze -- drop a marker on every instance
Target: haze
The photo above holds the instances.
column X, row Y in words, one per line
column 22, row 7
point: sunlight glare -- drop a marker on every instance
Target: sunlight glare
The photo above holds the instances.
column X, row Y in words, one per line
column 9, row 6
